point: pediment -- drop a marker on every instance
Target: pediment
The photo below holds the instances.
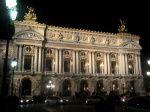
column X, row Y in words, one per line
column 131, row 45
column 30, row 35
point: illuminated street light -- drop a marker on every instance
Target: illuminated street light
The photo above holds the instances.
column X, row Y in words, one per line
column 148, row 73
column 50, row 87
column 13, row 65
column 148, row 62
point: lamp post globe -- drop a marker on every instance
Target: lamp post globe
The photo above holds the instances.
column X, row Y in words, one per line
column 148, row 62
column 12, row 9
column 14, row 62
column 148, row 73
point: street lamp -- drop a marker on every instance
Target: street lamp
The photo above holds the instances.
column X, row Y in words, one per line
column 13, row 64
column 50, row 86
column 12, row 13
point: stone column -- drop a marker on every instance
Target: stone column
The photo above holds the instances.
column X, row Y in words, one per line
column 126, row 65
column 139, row 60
column 123, row 64
column 56, row 60
column 119, row 63
column 77, row 62
column 60, row 60
column 105, row 63
column 90, row 63
column 20, row 57
column 39, row 60
column 136, row 65
column 93, row 63
column 16, row 54
column 32, row 63
column 74, row 61
column 72, row 87
column 108, row 62
column 43, row 59
column 23, row 57
column 35, row 60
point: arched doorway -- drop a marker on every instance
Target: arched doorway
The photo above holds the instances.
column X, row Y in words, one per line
column 26, row 87
column 83, row 86
column 115, row 88
column 66, row 87
column 84, row 92
column 132, row 85
column 99, row 87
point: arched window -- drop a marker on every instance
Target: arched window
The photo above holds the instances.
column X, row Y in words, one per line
column 99, row 65
column 66, row 65
column 83, row 66
column 130, row 67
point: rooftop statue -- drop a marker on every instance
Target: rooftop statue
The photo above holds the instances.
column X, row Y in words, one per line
column 122, row 28
column 30, row 15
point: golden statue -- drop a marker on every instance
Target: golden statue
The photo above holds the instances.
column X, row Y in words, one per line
column 122, row 28
column 30, row 15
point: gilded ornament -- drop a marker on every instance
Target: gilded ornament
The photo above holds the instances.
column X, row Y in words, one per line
column 30, row 15
column 122, row 28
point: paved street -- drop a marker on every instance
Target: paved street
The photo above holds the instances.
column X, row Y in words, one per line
column 72, row 107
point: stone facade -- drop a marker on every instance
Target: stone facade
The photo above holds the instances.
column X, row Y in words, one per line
column 74, row 60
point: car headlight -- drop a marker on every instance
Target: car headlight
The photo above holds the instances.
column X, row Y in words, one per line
column 27, row 100
column 123, row 100
column 21, row 101
column 61, row 100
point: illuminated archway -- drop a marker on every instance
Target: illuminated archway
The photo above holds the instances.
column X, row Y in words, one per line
column 66, row 87
column 99, row 86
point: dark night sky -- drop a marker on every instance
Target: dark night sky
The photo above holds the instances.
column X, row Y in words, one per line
column 90, row 15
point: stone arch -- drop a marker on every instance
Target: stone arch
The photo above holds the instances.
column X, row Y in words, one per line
column 99, row 86
column 131, row 44
column 66, row 87
column 132, row 85
column 115, row 86
column 26, row 87
column 30, row 35
column 83, row 85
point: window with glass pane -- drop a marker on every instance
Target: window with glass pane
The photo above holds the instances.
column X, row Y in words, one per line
column 83, row 68
column 113, row 67
column 99, row 66
column 27, row 62
column 48, row 64
column 66, row 65
column 131, row 68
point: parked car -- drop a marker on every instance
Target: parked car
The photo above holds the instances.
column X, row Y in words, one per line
column 55, row 100
column 137, row 104
column 24, row 101
column 93, row 99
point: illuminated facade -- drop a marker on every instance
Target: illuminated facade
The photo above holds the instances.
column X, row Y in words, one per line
column 74, row 60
